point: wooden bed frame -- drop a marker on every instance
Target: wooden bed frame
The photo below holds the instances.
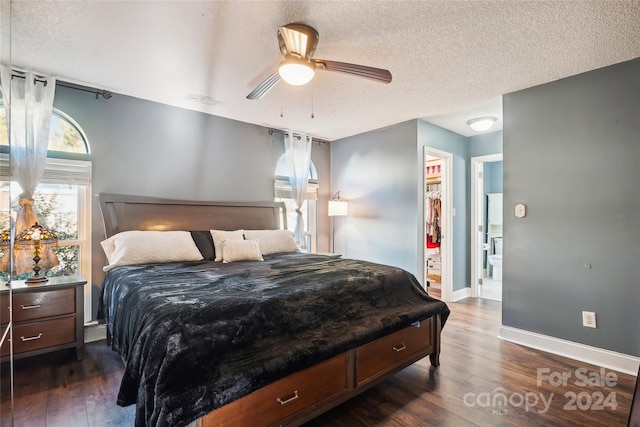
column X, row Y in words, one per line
column 301, row 396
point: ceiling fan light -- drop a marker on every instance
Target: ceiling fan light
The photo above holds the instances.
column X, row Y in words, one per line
column 481, row 124
column 296, row 72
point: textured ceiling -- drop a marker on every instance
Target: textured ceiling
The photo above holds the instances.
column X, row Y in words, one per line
column 450, row 60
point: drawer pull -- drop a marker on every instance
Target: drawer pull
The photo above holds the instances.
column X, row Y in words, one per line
column 37, row 337
column 291, row 399
column 400, row 347
column 29, row 307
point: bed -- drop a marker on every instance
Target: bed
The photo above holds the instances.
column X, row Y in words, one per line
column 272, row 337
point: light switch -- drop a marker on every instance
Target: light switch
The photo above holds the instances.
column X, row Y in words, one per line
column 520, row 210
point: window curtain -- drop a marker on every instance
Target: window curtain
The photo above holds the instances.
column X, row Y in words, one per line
column 30, row 112
column 298, row 152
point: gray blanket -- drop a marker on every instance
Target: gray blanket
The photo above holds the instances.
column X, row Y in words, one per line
column 199, row 335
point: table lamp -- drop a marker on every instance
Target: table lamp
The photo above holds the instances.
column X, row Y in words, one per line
column 32, row 239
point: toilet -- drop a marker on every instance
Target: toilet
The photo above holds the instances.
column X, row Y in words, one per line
column 496, row 260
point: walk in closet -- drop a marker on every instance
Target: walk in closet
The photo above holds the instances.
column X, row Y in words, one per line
column 433, row 224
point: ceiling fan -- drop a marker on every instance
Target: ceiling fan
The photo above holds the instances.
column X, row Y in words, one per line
column 297, row 44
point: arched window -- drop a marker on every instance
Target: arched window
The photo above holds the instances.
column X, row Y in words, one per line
column 65, row 135
column 62, row 198
column 284, row 193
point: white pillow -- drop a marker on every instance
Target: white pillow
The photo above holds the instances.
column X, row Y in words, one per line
column 273, row 241
column 219, row 236
column 141, row 247
column 241, row 250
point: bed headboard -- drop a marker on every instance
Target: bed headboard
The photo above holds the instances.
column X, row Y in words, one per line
column 124, row 212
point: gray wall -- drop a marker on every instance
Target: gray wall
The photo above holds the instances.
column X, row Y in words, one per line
column 145, row 148
column 380, row 174
column 572, row 156
column 430, row 135
column 485, row 144
column 377, row 172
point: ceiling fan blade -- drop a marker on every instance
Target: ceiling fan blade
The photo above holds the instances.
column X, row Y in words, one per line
column 376, row 74
column 264, row 87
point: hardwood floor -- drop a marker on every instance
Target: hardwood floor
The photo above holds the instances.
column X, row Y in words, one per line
column 476, row 370
column 435, row 290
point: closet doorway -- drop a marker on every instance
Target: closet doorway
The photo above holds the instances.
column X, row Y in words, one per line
column 486, row 226
column 438, row 220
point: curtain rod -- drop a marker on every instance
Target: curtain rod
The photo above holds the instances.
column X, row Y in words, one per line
column 99, row 92
column 284, row 133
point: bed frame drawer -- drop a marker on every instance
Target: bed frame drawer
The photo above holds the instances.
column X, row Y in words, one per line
column 382, row 355
column 37, row 335
column 36, row 305
column 286, row 397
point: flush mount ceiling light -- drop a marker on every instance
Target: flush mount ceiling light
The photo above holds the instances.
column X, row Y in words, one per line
column 296, row 71
column 480, row 124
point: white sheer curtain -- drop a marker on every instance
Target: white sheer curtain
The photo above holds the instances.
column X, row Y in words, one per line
column 298, row 151
column 30, row 118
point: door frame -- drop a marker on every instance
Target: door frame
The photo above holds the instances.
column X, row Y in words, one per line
column 446, row 246
column 477, row 217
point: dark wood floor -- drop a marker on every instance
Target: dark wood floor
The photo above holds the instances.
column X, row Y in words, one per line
column 477, row 369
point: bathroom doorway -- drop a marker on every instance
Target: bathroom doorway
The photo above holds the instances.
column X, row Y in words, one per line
column 486, row 226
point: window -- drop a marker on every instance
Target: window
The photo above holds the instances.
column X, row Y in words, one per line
column 62, row 198
column 284, row 193
column 64, row 134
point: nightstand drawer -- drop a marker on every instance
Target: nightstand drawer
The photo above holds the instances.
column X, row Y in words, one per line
column 45, row 303
column 37, row 335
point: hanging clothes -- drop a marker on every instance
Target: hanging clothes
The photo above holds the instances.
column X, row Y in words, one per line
column 433, row 219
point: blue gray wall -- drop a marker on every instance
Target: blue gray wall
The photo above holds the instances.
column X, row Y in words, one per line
column 430, row 135
column 492, row 177
column 492, row 183
column 378, row 174
column 145, row 148
column 572, row 156
column 485, row 144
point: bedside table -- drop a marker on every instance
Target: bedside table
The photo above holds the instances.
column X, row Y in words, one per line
column 46, row 316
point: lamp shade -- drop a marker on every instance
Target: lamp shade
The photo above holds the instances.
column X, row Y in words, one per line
column 35, row 235
column 338, row 207
column 5, row 238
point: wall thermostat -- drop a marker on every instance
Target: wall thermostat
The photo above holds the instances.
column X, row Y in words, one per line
column 520, row 210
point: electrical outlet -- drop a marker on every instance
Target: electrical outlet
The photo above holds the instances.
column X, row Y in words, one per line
column 589, row 319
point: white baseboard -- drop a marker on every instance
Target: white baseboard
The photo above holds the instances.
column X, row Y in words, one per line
column 93, row 331
column 597, row 356
column 460, row 294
